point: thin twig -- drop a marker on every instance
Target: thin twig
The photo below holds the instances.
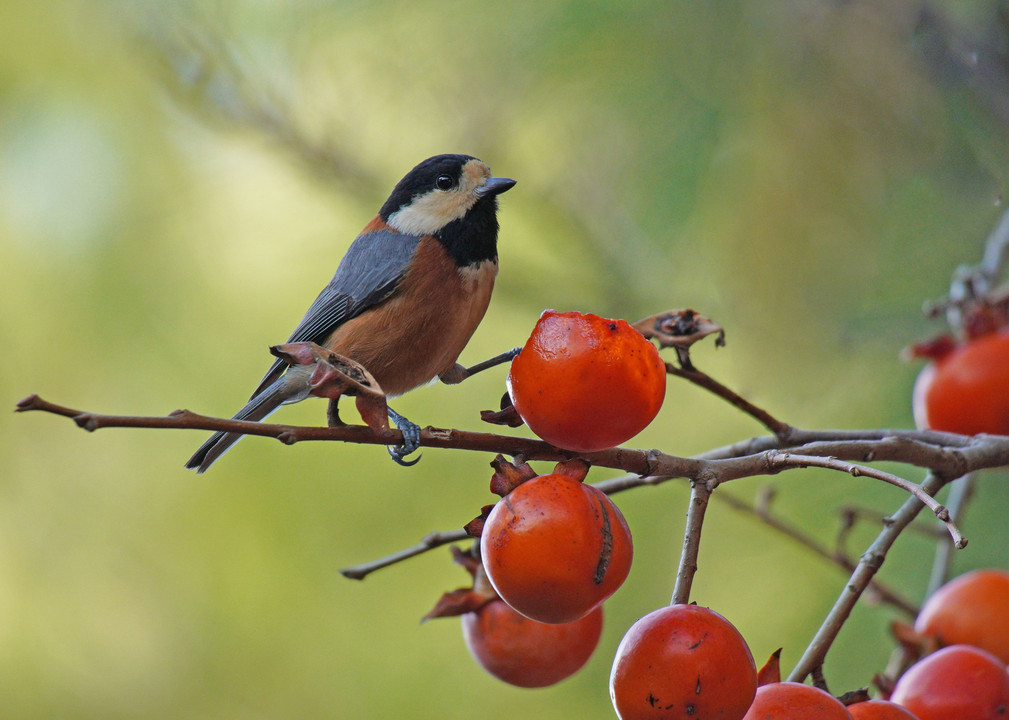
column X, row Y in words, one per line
column 762, row 512
column 959, row 493
column 996, row 252
column 701, row 379
column 700, row 492
column 788, row 459
column 429, row 542
column 942, row 452
column 852, row 513
column 868, row 565
column 640, row 462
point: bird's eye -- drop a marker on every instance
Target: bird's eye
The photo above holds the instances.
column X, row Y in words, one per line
column 444, row 182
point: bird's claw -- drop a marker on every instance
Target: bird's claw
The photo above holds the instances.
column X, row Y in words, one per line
column 411, row 440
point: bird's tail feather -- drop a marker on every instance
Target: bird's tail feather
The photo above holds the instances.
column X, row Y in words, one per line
column 258, row 408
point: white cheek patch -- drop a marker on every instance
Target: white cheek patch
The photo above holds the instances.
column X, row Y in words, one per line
column 427, row 214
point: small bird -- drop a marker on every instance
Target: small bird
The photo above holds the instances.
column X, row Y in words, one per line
column 405, row 299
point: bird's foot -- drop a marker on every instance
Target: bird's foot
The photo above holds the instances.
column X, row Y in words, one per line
column 411, row 440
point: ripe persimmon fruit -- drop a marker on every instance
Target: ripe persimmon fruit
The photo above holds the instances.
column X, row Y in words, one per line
column 880, row 710
column 526, row 653
column 586, row 383
column 966, row 388
column 972, row 609
column 682, row 662
column 795, row 701
column 955, row 683
column 554, row 548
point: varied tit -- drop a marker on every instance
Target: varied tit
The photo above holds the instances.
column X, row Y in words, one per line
column 406, row 298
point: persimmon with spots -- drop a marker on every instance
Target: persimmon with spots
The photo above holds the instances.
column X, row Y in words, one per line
column 682, row 662
column 585, row 383
column 554, row 548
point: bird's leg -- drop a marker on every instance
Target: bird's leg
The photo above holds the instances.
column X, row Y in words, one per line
column 411, row 439
column 459, row 373
column 333, row 413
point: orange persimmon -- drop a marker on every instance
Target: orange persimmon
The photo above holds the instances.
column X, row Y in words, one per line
column 682, row 662
column 972, row 609
column 965, row 389
column 554, row 548
column 795, row 701
column 526, row 653
column 586, row 383
column 955, row 683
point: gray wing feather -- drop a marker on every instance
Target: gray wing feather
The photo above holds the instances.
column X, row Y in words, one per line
column 367, row 275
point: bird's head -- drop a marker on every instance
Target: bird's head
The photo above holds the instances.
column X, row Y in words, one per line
column 440, row 191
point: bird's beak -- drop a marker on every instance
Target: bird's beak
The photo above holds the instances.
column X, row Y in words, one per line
column 495, row 186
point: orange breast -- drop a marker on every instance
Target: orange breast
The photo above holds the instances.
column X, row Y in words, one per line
column 420, row 331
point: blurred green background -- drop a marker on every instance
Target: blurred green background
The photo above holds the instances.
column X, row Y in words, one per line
column 177, row 182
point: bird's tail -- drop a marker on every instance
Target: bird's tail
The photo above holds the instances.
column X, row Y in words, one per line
column 287, row 389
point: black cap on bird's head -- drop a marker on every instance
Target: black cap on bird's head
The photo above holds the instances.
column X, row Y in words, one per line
column 441, row 191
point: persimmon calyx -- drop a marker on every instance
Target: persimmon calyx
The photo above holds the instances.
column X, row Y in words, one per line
column 679, row 328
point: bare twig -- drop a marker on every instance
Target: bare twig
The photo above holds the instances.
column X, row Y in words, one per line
column 788, row 459
column 761, row 510
column 210, row 76
column 959, row 493
column 701, row 379
column 635, row 461
column 851, row 514
column 700, row 492
column 429, row 542
column 833, row 449
column 996, row 252
column 868, row 565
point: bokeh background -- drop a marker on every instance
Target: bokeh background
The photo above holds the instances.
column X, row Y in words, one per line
column 177, row 181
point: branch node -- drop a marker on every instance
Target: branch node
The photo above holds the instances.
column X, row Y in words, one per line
column 86, row 421
column 652, row 457
column 872, row 559
column 28, row 403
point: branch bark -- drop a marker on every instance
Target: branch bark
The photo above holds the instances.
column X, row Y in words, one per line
column 868, row 565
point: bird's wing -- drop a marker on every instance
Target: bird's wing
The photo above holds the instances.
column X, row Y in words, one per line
column 370, row 271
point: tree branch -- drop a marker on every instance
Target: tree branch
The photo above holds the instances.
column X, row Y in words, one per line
column 961, row 490
column 947, row 454
column 867, row 567
column 700, row 493
column 429, row 542
column 762, row 512
column 701, row 379
column 629, row 460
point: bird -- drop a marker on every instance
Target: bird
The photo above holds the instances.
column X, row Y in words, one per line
column 406, row 297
